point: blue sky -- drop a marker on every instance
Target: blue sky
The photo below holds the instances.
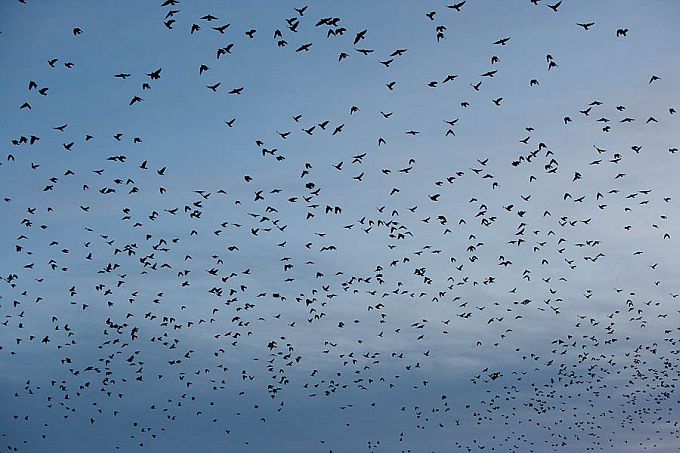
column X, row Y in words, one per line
column 422, row 341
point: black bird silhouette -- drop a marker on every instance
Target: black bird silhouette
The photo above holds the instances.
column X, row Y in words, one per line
column 456, row 6
column 555, row 6
column 221, row 28
column 155, row 75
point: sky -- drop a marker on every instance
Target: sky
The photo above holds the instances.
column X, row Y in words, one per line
column 354, row 247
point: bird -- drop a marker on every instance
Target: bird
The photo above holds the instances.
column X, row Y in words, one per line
column 456, row 6
column 222, row 28
column 155, row 75
column 555, row 6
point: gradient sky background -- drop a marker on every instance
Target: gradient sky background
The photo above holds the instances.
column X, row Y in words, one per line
column 451, row 359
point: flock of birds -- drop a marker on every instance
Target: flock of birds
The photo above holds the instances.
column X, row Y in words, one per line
column 466, row 305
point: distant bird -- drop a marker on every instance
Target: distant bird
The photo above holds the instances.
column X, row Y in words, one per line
column 222, row 28
column 555, row 6
column 456, row 6
column 155, row 75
